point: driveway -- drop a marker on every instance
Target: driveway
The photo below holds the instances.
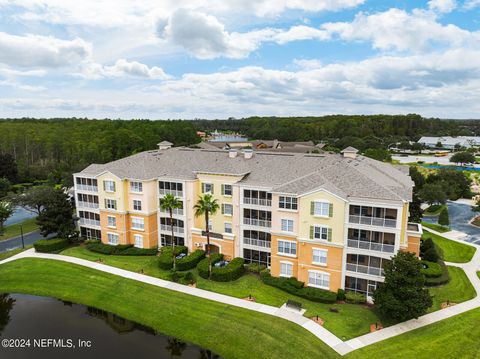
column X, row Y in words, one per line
column 16, row 242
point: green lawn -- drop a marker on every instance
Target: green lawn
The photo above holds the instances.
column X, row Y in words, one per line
column 434, row 210
column 436, row 227
column 458, row 290
column 454, row 252
column 5, row 255
column 455, row 337
column 13, row 230
column 352, row 320
column 229, row 331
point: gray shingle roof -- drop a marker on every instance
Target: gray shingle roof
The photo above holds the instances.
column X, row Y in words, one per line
column 293, row 173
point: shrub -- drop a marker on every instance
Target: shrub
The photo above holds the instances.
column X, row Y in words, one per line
column 296, row 287
column 165, row 260
column 120, row 250
column 433, row 270
column 426, row 244
column 99, row 247
column 355, row 298
column 181, row 277
column 434, row 208
column 340, row 294
column 202, row 266
column 431, row 255
column 134, row 251
column 255, row 267
column 443, row 217
column 230, row 272
column 191, row 260
column 444, row 278
column 50, row 245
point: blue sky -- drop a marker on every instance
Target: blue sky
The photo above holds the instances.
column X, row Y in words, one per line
column 224, row 58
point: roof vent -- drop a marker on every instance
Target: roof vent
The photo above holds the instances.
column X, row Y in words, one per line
column 349, row 152
column 232, row 153
column 164, row 145
column 247, row 153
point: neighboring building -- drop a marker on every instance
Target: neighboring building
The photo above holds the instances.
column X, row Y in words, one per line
column 450, row 142
column 331, row 220
column 265, row 145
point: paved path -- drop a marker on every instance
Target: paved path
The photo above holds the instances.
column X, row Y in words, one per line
column 16, row 242
column 321, row 333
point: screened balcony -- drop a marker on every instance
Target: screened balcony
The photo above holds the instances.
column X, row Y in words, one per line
column 366, row 264
column 371, row 240
column 373, row 216
column 257, row 198
column 257, row 218
column 257, row 238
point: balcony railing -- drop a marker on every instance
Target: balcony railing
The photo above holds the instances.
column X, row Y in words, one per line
column 373, row 221
column 175, row 211
column 176, row 193
column 257, row 201
column 371, row 246
column 82, row 204
column 89, row 222
column 168, row 228
column 358, row 268
column 257, row 242
column 84, row 187
column 257, row 222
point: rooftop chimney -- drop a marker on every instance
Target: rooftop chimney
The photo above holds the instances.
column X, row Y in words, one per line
column 349, row 152
column 164, row 145
column 232, row 153
column 247, row 153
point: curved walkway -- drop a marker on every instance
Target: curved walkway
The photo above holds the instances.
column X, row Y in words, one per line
column 321, row 333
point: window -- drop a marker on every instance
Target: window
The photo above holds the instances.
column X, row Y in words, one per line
column 136, row 187
column 228, row 227
column 288, row 203
column 286, row 269
column 109, row 186
column 319, row 232
column 207, row 188
column 227, row 189
column 137, row 205
column 227, row 209
column 319, row 279
column 138, row 223
column 287, row 225
column 110, row 203
column 319, row 256
column 113, row 238
column 112, row 221
column 138, row 240
column 287, row 247
column 321, row 209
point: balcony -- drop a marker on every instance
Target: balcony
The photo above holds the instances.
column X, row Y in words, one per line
column 85, row 187
column 257, row 201
column 257, row 222
column 176, row 193
column 372, row 221
column 82, row 204
column 89, row 222
column 358, row 268
column 257, row 242
column 168, row 228
column 371, row 246
column 175, row 211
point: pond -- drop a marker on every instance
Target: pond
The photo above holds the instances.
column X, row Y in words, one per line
column 32, row 317
column 460, row 215
column 19, row 215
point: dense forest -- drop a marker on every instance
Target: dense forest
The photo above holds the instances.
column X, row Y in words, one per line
column 60, row 147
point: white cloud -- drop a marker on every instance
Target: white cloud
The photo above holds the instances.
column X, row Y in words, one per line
column 41, row 51
column 308, row 63
column 442, row 6
column 123, row 68
column 471, row 4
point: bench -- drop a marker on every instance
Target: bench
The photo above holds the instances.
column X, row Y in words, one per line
column 294, row 305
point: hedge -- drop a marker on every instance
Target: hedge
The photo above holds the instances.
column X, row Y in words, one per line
column 232, row 271
column 50, row 245
column 120, row 250
column 433, row 270
column 202, row 266
column 190, row 261
column 443, row 279
column 181, row 277
column 296, row 287
column 355, row 298
column 255, row 267
column 165, row 261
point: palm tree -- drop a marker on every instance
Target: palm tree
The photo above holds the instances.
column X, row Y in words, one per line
column 169, row 203
column 206, row 206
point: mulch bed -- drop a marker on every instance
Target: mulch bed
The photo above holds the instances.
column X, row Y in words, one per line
column 318, row 320
column 250, row 299
column 375, row 327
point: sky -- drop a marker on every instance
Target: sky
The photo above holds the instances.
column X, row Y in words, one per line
column 223, row 58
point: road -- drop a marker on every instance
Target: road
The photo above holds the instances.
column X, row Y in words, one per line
column 16, row 242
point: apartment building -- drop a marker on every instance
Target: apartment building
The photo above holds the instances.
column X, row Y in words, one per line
column 330, row 220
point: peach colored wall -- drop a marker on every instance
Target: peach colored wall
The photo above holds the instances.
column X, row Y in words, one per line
column 148, row 197
column 414, row 245
column 278, row 214
column 227, row 247
column 150, row 233
column 277, row 258
column 120, row 228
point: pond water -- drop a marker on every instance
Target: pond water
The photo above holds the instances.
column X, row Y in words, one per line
column 33, row 317
column 460, row 214
column 19, row 215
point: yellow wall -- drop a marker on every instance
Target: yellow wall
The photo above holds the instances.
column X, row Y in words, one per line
column 120, row 194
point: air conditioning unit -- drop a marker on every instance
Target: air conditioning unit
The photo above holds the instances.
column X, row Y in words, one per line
column 198, row 244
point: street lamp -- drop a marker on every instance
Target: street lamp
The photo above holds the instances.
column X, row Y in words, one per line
column 21, row 233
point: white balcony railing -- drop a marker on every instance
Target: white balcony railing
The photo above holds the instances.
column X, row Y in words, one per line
column 168, row 228
column 257, row 242
column 82, row 204
column 373, row 221
column 257, row 222
column 257, row 201
column 89, row 222
column 176, row 211
column 371, row 246
column 84, row 187
column 358, row 268
column 176, row 193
